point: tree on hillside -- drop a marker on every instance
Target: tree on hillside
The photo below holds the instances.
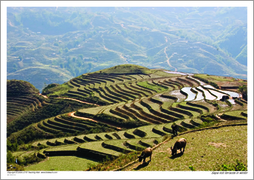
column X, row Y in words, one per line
column 243, row 90
column 20, row 58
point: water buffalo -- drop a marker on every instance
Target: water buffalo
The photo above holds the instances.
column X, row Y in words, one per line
column 146, row 153
column 179, row 144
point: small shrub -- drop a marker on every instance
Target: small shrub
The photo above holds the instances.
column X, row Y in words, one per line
column 33, row 158
column 214, row 84
column 191, row 168
column 10, row 157
column 206, row 124
column 209, row 118
column 239, row 166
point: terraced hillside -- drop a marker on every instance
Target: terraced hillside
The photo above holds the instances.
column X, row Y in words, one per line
column 22, row 98
column 133, row 110
column 17, row 106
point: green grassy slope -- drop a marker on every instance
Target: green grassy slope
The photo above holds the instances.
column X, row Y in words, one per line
column 206, row 150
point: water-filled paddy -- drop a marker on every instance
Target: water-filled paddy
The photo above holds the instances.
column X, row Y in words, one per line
column 208, row 86
column 199, row 95
column 232, row 101
column 191, row 95
column 232, row 94
column 216, row 93
column 208, row 95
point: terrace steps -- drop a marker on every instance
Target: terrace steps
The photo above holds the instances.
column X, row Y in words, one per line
column 116, row 148
column 156, row 110
column 146, row 113
column 187, row 123
column 159, row 130
column 128, row 88
column 132, row 94
column 42, row 126
column 108, row 96
column 22, row 104
column 49, row 123
column 127, row 96
column 133, row 145
column 73, row 123
column 117, row 94
column 136, row 112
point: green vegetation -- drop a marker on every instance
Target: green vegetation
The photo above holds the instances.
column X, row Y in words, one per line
column 10, row 157
column 49, row 46
column 234, row 115
column 19, row 87
column 29, row 159
column 153, row 87
column 126, row 69
column 205, row 151
column 102, row 121
column 217, row 81
column 239, row 166
column 58, row 106
column 62, row 163
column 115, row 164
column 243, row 90
column 56, row 89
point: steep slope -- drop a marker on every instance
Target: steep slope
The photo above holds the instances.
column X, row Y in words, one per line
column 22, row 98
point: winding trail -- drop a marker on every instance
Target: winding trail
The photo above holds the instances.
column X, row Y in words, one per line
column 168, row 58
column 110, row 50
column 43, row 96
column 118, row 53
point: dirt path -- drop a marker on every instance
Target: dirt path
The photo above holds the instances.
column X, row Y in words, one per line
column 89, row 119
column 120, row 54
column 43, row 96
column 168, row 58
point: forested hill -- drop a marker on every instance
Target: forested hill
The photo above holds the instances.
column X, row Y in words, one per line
column 53, row 45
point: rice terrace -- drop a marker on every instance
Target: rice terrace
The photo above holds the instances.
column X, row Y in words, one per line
column 102, row 121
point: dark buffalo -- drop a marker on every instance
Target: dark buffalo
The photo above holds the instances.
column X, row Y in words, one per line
column 146, row 153
column 179, row 144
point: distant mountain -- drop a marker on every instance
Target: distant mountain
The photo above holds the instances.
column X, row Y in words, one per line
column 53, row 45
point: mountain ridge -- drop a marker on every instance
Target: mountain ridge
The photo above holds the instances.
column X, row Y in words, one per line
column 100, row 38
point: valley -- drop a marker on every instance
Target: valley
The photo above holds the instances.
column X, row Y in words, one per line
column 75, row 41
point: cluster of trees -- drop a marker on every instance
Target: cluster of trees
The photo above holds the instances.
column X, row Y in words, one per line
column 77, row 65
column 19, row 87
column 243, row 90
